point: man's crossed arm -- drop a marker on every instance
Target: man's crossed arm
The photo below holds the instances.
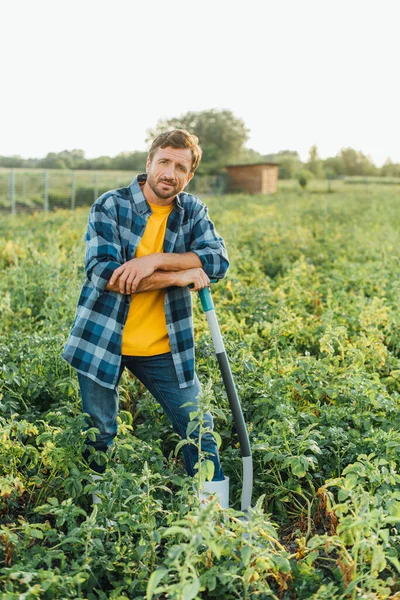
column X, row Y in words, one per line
column 157, row 271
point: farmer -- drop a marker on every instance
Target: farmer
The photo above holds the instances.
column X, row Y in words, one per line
column 145, row 244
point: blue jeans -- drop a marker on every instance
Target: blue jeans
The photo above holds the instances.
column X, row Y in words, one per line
column 157, row 373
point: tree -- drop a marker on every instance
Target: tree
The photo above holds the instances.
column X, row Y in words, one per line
column 67, row 159
column 248, row 156
column 333, row 166
column 390, row 169
column 221, row 135
column 130, row 161
column 289, row 163
column 314, row 163
column 356, row 163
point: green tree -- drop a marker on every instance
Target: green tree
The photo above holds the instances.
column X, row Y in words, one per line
column 333, row 166
column 390, row 169
column 314, row 163
column 221, row 135
column 129, row 161
column 67, row 159
column 248, row 156
column 289, row 163
column 356, row 163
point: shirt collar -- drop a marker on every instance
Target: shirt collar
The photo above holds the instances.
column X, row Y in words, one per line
column 140, row 201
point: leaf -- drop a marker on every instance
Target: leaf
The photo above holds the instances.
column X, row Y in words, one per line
column 97, row 543
column 174, row 530
column 154, row 580
column 245, row 554
column 179, row 446
column 217, row 438
column 384, row 533
column 190, row 590
column 395, row 561
column 208, row 468
column 192, row 426
column 72, row 540
column 378, row 562
column 297, row 467
column 282, row 563
column 36, row 533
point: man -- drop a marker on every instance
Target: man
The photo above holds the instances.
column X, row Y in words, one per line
column 145, row 245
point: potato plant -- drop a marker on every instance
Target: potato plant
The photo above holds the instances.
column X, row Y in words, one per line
column 309, row 317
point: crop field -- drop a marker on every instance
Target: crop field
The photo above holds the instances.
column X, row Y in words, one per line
column 309, row 315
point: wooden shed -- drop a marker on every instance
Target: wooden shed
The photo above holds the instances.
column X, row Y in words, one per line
column 258, row 178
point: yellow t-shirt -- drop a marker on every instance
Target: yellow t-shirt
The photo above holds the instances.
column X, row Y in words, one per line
column 145, row 332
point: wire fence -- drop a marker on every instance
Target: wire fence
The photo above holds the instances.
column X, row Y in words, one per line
column 32, row 190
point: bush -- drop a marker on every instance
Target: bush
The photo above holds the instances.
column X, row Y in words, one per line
column 303, row 177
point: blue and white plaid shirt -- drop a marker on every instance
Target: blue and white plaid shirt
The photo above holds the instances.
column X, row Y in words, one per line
column 117, row 221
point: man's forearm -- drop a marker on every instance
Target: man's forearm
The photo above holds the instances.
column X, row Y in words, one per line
column 173, row 261
column 157, row 281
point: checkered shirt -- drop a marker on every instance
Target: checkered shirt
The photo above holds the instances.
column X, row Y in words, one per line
column 116, row 224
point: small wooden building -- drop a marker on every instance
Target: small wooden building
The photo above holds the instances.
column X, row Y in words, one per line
column 258, row 178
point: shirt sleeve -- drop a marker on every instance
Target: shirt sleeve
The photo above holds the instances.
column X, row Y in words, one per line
column 209, row 245
column 103, row 246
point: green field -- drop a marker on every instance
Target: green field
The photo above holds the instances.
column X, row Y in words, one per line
column 309, row 314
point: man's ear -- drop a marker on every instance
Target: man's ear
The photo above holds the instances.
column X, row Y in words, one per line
column 148, row 161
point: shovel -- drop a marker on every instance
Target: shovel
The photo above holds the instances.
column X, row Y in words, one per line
column 227, row 377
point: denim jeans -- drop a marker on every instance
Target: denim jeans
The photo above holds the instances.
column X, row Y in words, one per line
column 157, row 373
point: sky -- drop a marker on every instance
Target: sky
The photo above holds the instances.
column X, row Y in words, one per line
column 97, row 75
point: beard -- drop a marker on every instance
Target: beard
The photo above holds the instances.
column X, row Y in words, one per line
column 159, row 190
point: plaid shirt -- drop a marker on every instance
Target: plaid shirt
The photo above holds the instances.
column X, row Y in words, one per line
column 117, row 221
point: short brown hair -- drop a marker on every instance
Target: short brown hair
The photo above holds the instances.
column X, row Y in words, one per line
column 178, row 138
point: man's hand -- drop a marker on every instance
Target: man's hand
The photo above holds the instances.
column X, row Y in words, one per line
column 197, row 277
column 130, row 274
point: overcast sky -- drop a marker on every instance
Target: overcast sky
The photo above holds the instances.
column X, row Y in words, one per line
column 95, row 74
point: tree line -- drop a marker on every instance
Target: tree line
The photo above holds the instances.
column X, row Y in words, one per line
column 222, row 137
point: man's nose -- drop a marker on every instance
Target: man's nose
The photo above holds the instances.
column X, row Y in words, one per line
column 170, row 171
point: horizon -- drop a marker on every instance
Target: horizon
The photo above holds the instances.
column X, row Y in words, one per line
column 134, row 151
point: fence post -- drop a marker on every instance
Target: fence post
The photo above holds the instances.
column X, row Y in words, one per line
column 24, row 191
column 72, row 190
column 46, row 191
column 12, row 192
column 96, row 186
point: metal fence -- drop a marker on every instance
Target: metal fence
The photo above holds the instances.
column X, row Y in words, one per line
column 32, row 190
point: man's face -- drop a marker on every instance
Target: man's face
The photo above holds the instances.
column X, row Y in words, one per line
column 169, row 171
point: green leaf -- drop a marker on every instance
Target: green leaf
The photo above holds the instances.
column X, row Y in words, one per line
column 36, row 533
column 72, row 540
column 207, row 469
column 179, row 446
column 384, row 533
column 174, row 530
column 378, row 562
column 190, row 590
column 192, row 426
column 97, row 543
column 217, row 438
column 154, row 580
column 282, row 563
column 297, row 467
column 395, row 561
column 245, row 554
